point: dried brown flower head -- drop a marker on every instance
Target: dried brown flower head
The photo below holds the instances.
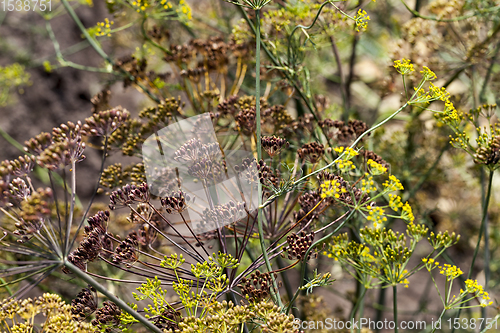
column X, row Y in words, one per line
column 273, row 145
column 312, row 151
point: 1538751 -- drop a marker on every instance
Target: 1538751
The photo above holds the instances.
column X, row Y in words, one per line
column 25, row 5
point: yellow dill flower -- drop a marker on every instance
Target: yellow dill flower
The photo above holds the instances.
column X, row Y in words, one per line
column 393, row 184
column 450, row 271
column 472, row 287
column 361, row 20
column 404, row 66
column 427, row 74
column 375, row 168
column 376, row 215
column 395, row 202
column 430, row 263
column 438, row 93
column 349, row 152
column 407, row 213
column 368, row 185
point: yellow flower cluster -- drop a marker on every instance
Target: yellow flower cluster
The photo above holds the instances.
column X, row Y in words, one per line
column 166, row 4
column 331, row 188
column 344, row 165
column 427, row 74
column 104, row 28
column 393, row 184
column 361, row 20
column 430, row 263
column 471, row 286
column 438, row 93
column 140, row 5
column 407, row 213
column 376, row 215
column 22, row 315
column 404, row 66
column 368, row 185
column 184, row 11
column 349, row 152
column 395, row 202
column 376, row 168
column 450, row 271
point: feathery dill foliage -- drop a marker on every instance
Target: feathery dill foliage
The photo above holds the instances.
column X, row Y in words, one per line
column 313, row 176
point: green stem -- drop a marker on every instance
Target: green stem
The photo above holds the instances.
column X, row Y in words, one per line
column 359, row 300
column 437, row 321
column 121, row 304
column 395, row 305
column 259, row 152
column 484, row 223
column 69, row 222
column 482, row 230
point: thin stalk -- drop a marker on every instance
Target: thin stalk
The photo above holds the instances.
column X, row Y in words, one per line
column 481, row 231
column 72, row 207
column 359, row 300
column 259, row 152
column 438, row 320
column 121, row 304
column 395, row 302
column 101, row 170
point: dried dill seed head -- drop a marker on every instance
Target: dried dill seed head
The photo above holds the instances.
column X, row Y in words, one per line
column 113, row 176
column 105, row 122
column 207, row 170
column 342, row 133
column 222, row 215
column 228, row 106
column 258, row 286
column 189, row 152
column 129, row 194
column 177, row 202
column 304, row 123
column 247, row 171
column 132, row 65
column 108, row 314
column 38, row 206
column 307, row 202
column 19, row 167
column 85, row 303
column 278, row 116
column 267, row 175
column 168, row 320
column 312, row 151
column 146, row 235
column 88, row 250
column 490, row 153
column 100, row 101
column 99, row 221
column 273, row 145
column 66, row 147
column 38, row 144
column 245, row 120
column 18, row 191
column 126, row 251
column 331, row 127
column 193, row 74
column 297, row 245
